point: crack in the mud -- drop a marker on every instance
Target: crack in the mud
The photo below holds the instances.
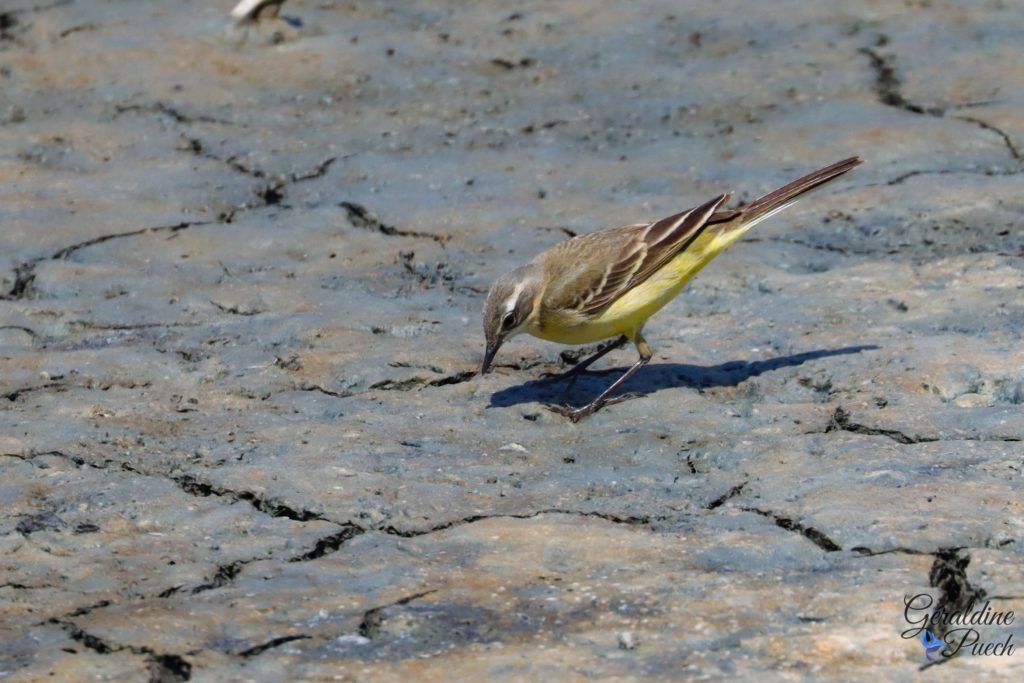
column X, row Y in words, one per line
column 888, row 90
column 231, row 161
column 225, row 575
column 60, row 386
column 630, row 520
column 124, row 327
column 196, row 147
column 15, row 395
column 419, row 382
column 25, row 275
column 319, row 172
column 325, row 391
column 1007, row 140
column 69, row 250
column 361, row 217
column 170, row 111
column 725, row 497
column 565, row 230
column 457, row 378
column 163, row 668
column 89, row 26
column 268, row 506
column 257, row 650
column 398, row 384
column 509, row 65
column 373, row 619
column 236, row 309
column 330, row 544
column 193, row 486
column 94, row 643
column 888, row 84
column 913, row 174
column 271, row 193
column 901, row 550
column 962, row 171
column 9, row 21
column 864, row 551
column 816, row 537
column 840, row 421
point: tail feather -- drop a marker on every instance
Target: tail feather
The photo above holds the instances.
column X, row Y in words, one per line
column 779, row 199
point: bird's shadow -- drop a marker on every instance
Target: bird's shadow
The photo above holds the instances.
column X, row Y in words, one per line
column 653, row 378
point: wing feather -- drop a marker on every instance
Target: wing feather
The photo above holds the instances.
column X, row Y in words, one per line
column 645, row 250
column 585, row 275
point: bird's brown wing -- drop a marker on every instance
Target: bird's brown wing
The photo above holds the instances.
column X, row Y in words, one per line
column 587, row 274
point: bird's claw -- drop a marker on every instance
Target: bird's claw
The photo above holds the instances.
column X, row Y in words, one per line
column 577, row 414
column 574, row 414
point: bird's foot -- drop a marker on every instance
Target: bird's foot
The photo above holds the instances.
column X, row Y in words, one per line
column 574, row 414
column 577, row 414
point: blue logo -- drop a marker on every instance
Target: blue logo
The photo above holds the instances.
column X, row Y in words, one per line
column 932, row 644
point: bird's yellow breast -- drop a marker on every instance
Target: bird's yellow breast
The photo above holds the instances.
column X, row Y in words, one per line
column 627, row 314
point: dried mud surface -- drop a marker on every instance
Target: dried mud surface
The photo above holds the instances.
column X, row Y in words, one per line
column 242, row 436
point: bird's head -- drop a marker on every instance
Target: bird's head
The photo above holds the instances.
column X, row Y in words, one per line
column 509, row 307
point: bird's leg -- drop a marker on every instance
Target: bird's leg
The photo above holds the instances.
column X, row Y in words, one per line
column 578, row 414
column 576, row 370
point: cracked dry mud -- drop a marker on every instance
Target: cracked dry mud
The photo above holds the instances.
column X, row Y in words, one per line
column 243, row 437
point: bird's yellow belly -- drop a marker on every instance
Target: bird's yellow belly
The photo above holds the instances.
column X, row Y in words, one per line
column 629, row 312
column 572, row 331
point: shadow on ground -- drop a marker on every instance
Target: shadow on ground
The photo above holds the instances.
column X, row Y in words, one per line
column 661, row 376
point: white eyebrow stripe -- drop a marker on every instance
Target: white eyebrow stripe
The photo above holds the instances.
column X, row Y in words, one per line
column 510, row 305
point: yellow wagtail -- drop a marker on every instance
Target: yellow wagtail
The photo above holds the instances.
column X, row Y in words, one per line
column 608, row 283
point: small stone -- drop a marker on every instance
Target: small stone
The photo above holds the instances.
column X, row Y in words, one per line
column 972, row 401
column 352, row 640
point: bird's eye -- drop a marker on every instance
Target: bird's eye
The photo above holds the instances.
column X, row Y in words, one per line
column 508, row 321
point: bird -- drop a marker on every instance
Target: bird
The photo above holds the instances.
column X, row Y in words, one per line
column 261, row 18
column 248, row 11
column 606, row 284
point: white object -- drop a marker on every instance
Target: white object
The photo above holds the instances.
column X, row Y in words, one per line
column 250, row 10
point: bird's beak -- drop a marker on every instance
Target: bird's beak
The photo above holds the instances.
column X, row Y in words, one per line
column 492, row 348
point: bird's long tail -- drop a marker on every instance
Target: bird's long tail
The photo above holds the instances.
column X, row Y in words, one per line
column 779, row 199
column 726, row 226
